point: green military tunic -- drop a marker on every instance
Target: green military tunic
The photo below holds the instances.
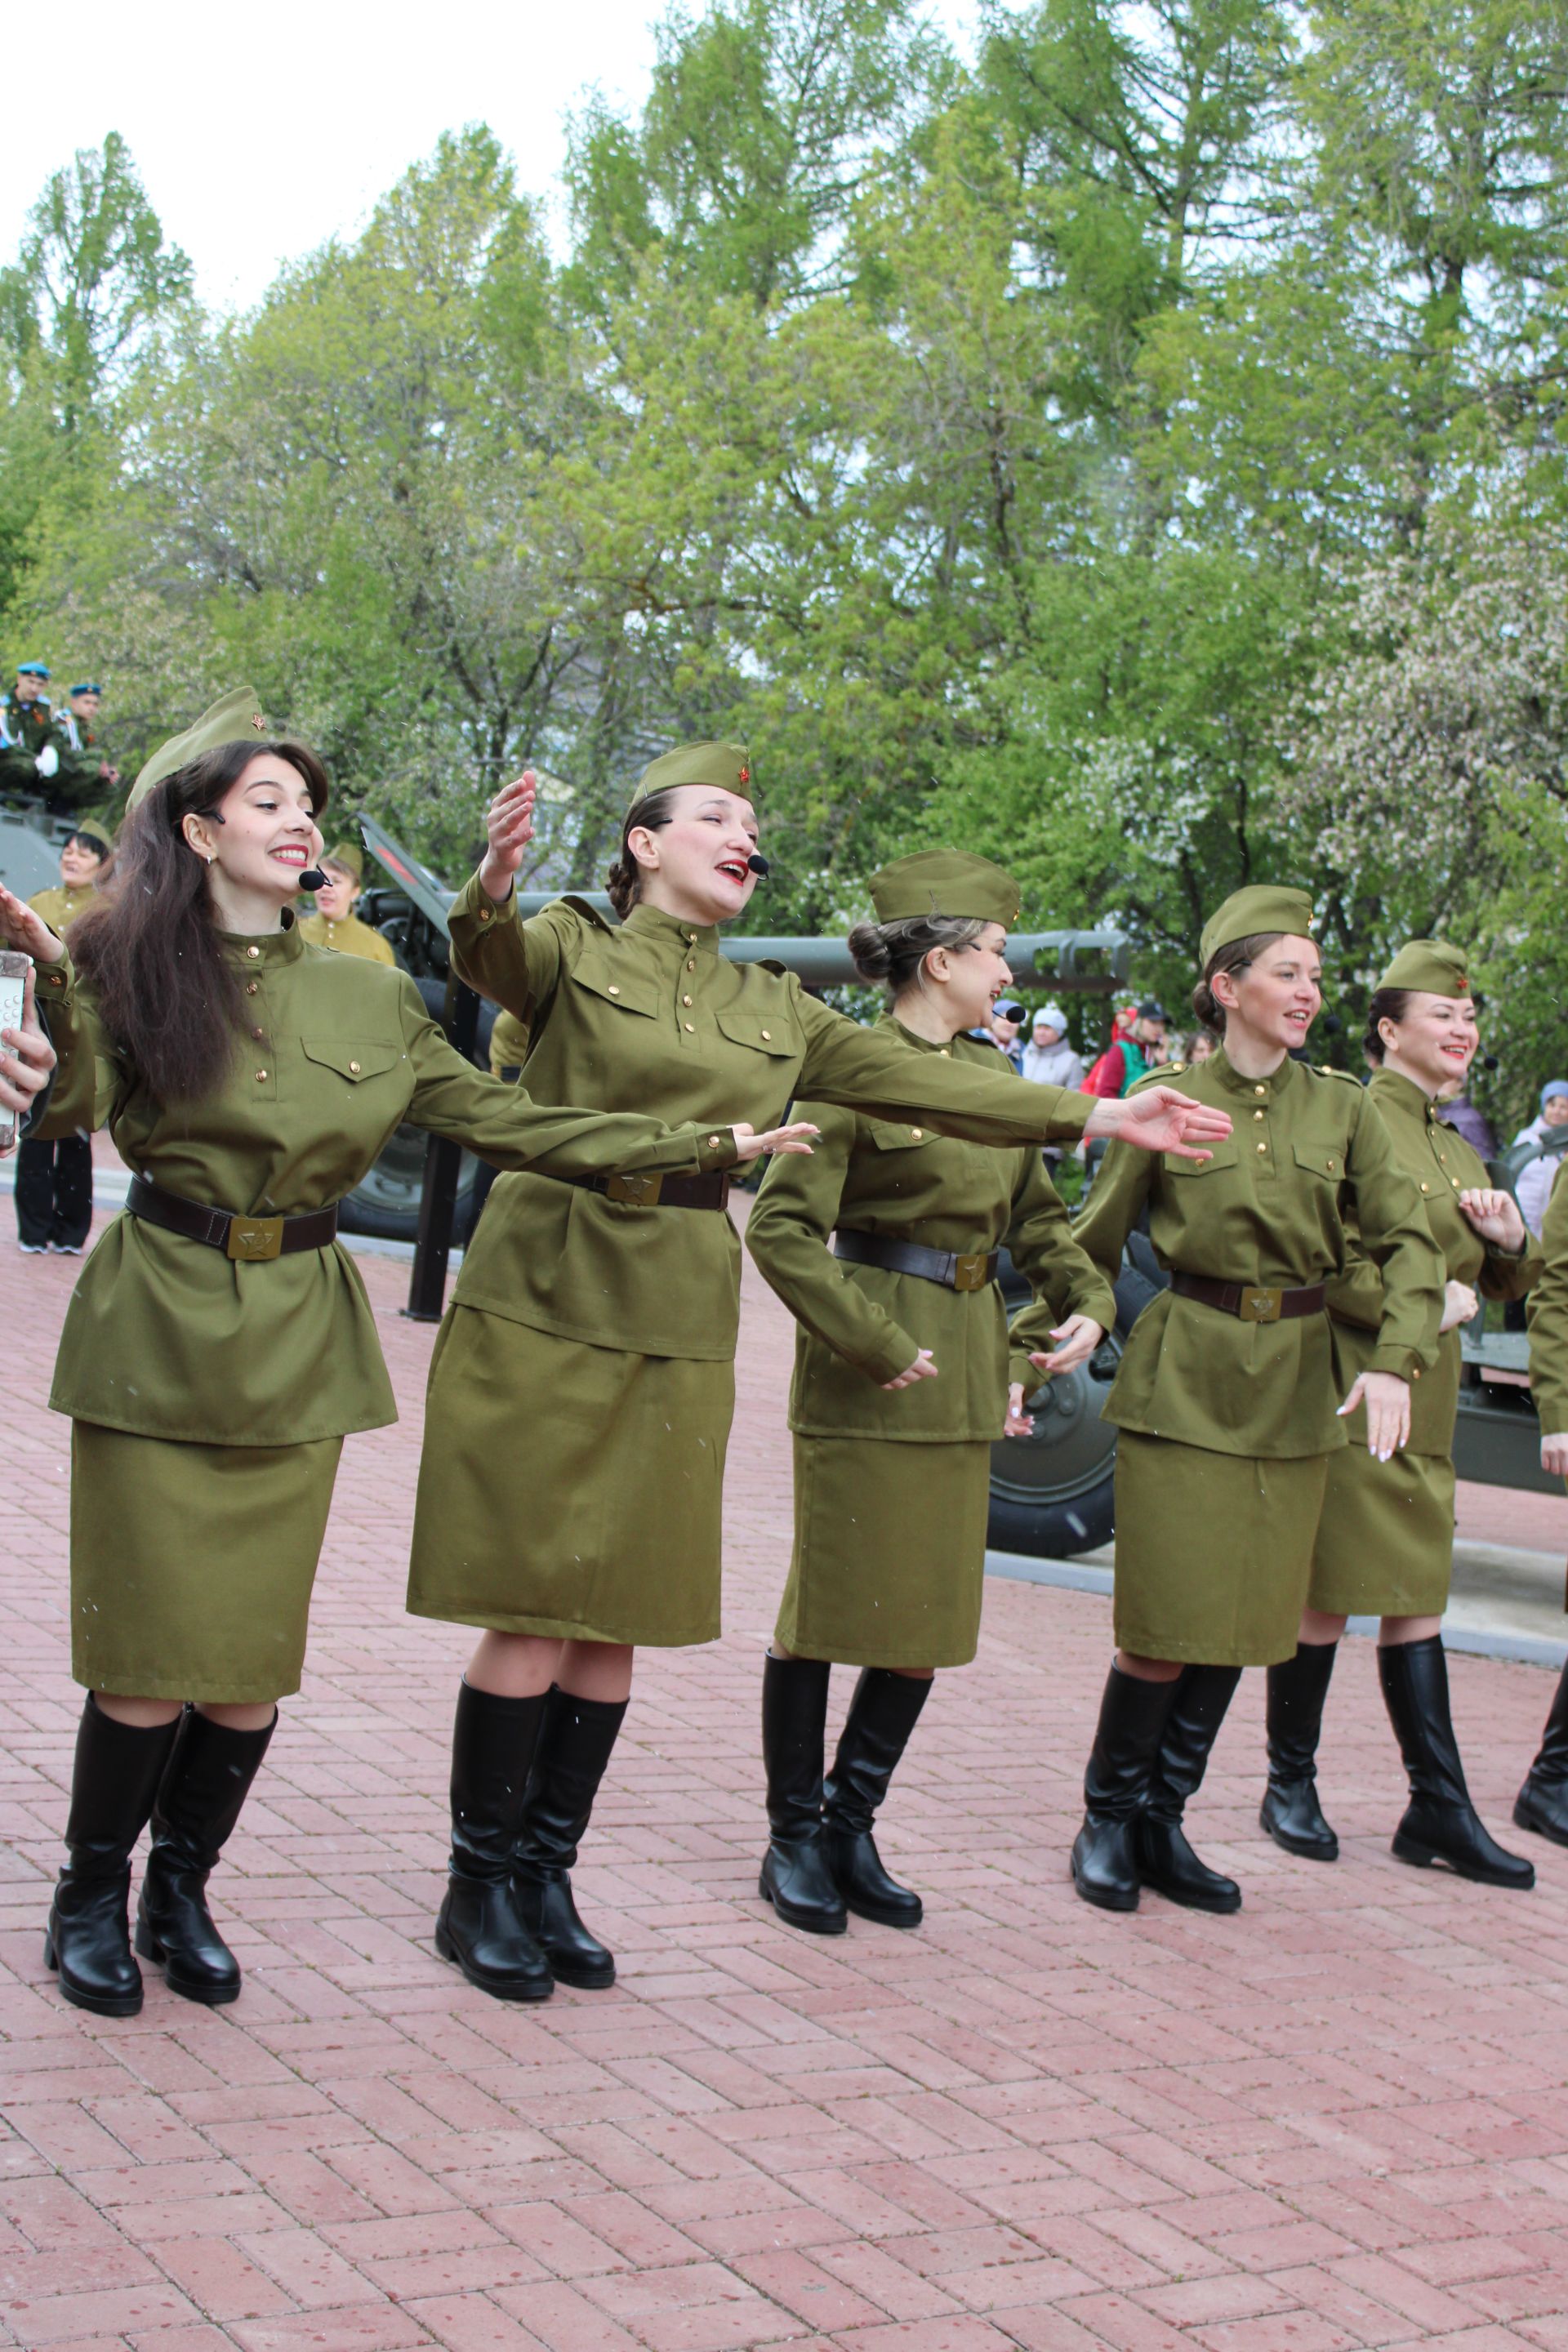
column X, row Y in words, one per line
column 583, row 1384
column 347, row 936
column 211, row 1396
column 1385, row 1539
column 80, row 779
column 892, row 1492
column 63, row 903
column 1549, row 1320
column 1228, row 1427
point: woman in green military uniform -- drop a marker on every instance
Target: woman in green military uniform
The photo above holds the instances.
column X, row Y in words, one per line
column 332, row 922
column 1225, row 1397
column 1542, row 1803
column 904, row 1376
column 610, row 1311
column 219, row 1344
column 1385, row 1538
column 54, row 1181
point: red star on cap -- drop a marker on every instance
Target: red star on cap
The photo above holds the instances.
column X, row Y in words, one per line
column 257, row 721
column 745, row 775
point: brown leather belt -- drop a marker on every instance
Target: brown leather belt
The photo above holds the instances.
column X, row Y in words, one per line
column 250, row 1239
column 955, row 1269
column 1254, row 1302
column 710, row 1192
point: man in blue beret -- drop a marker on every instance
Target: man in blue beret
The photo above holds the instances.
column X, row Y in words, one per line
column 30, row 742
column 85, row 774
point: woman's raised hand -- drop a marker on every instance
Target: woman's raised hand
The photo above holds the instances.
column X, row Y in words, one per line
column 510, row 825
column 750, row 1145
column 1496, row 1217
column 1159, row 1118
column 922, row 1369
column 20, row 927
column 1387, row 1401
column 26, row 1057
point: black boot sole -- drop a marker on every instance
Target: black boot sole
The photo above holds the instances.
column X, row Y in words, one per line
column 1110, row 1898
column 1523, row 1819
column 1189, row 1899
column 510, row 1988
column 1421, row 1856
column 1307, row 1850
column 883, row 1914
column 196, row 1989
column 578, row 1974
column 811, row 1923
column 101, row 2005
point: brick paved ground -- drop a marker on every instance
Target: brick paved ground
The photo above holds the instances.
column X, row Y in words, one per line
column 1337, row 2120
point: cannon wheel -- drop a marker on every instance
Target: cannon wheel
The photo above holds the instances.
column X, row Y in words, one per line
column 385, row 1207
column 1053, row 1495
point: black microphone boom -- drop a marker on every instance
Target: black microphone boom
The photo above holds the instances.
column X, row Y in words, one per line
column 756, row 864
column 312, row 878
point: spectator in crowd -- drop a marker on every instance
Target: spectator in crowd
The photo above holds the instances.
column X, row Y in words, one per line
column 1127, row 1058
column 1202, row 1046
column 29, row 740
column 85, row 774
column 1007, row 1018
column 1048, row 1060
column 1474, row 1127
column 1532, row 1186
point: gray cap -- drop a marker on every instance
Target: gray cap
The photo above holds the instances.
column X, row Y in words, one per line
column 1054, row 1018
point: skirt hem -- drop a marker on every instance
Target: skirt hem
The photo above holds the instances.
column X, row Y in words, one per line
column 561, row 1629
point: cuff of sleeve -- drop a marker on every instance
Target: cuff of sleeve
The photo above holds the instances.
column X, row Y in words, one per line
column 1068, row 1116
column 1020, row 1369
column 716, row 1148
column 1405, row 1363
column 473, row 905
column 896, row 1354
column 54, row 984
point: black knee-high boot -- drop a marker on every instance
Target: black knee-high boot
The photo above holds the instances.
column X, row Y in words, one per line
column 1440, row 1824
column 1290, row 1811
column 795, row 1876
column 576, row 1740
column 1166, row 1861
column 1542, row 1803
column 114, row 1782
column 1115, row 1787
column 882, row 1714
column 480, row 1926
column 204, row 1786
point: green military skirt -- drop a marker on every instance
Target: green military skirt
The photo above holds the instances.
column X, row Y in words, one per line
column 888, row 1564
column 1385, row 1539
column 1214, row 1551
column 192, row 1566
column 570, row 1490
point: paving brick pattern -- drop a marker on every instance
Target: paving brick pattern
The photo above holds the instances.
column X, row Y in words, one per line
column 1336, row 2121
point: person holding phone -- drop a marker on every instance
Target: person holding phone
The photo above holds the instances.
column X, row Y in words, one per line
column 1384, row 1542
column 219, row 1345
column 1225, row 1397
column 54, row 1181
column 905, row 1375
column 612, row 1308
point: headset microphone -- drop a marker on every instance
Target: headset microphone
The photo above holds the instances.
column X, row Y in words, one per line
column 755, row 864
column 312, row 878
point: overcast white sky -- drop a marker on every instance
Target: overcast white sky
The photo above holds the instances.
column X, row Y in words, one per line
column 259, row 131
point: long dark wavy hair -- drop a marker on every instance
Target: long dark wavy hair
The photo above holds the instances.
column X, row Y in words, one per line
column 165, row 991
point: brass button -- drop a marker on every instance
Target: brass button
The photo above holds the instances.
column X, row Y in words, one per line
column 917, row 1135
column 615, row 991
column 1455, row 1183
column 946, row 1052
column 252, row 986
column 1257, row 1114
column 713, row 1143
column 1263, row 1147
column 353, row 1069
column 1260, row 1090
column 691, row 1028
column 1425, row 1188
column 260, row 1077
column 485, row 914
column 259, row 1035
column 253, row 953
column 691, row 964
column 767, row 1036
column 686, row 1000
